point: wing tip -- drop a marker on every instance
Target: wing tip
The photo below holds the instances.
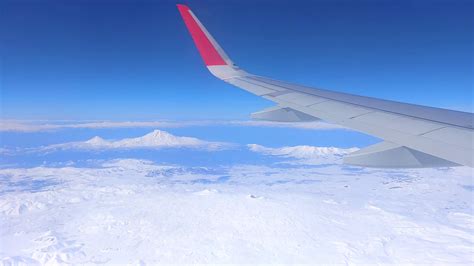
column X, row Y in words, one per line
column 208, row 50
column 182, row 7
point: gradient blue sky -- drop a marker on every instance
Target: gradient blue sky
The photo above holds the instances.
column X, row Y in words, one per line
column 123, row 60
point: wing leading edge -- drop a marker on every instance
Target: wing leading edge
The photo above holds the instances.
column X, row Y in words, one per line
column 414, row 135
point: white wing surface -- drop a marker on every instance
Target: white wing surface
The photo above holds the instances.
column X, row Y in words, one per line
column 414, row 135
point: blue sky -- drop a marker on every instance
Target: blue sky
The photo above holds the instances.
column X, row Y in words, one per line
column 129, row 60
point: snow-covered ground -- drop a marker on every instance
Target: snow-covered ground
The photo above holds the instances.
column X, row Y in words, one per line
column 303, row 206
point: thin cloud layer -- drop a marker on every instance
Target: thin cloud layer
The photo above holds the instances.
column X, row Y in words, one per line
column 38, row 126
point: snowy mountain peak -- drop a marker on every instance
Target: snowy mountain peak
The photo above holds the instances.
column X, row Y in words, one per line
column 158, row 138
column 96, row 141
column 157, row 134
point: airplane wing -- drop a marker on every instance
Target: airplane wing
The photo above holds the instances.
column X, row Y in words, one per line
column 414, row 135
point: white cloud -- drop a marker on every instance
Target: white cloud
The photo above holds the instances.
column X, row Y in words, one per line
column 134, row 211
column 318, row 125
column 4, row 150
column 36, row 126
column 305, row 154
column 153, row 140
column 17, row 126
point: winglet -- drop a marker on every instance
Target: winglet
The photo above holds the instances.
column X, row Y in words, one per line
column 216, row 60
column 210, row 51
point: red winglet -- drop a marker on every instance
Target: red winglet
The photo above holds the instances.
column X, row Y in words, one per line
column 208, row 52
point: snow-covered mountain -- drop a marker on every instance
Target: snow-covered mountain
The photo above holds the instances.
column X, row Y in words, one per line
column 304, row 154
column 155, row 139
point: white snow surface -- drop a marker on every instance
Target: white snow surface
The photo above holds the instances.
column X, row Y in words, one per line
column 155, row 139
column 135, row 211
